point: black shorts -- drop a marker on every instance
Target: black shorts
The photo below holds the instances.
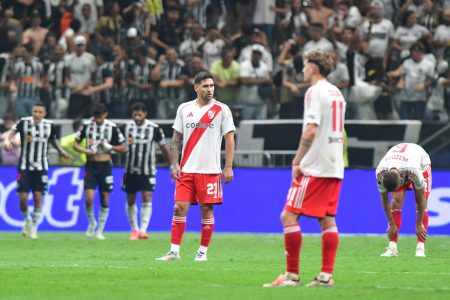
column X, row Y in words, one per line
column 98, row 173
column 32, row 180
column 133, row 183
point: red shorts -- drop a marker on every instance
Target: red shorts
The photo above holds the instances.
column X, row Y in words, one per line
column 195, row 188
column 427, row 179
column 314, row 196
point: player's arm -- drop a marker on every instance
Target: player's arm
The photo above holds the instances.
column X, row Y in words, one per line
column 306, row 141
column 229, row 155
column 392, row 229
column 7, row 143
column 80, row 136
column 421, row 202
column 177, row 142
column 58, row 148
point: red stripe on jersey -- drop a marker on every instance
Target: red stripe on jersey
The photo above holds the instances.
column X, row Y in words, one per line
column 206, row 119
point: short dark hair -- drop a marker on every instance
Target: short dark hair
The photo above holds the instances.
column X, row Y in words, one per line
column 139, row 106
column 390, row 181
column 200, row 76
column 40, row 103
column 76, row 124
column 99, row 109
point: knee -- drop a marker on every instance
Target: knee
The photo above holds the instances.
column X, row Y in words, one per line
column 287, row 218
column 179, row 210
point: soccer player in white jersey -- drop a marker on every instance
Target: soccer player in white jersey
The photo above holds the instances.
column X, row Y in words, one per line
column 405, row 166
column 35, row 133
column 199, row 127
column 317, row 172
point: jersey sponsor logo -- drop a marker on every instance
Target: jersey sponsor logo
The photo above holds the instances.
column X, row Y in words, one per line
column 338, row 140
column 199, row 125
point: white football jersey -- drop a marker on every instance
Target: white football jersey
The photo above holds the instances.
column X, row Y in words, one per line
column 203, row 129
column 325, row 106
column 410, row 159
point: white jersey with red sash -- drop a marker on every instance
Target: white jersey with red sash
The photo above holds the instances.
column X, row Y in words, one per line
column 203, row 129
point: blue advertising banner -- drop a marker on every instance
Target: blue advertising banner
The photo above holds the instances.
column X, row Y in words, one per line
column 252, row 203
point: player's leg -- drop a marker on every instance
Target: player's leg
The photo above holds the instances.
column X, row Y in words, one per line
column 178, row 227
column 130, row 186
column 132, row 215
column 207, row 214
column 105, row 183
column 37, row 214
column 398, row 197
column 292, row 235
column 89, row 209
column 330, row 242
column 146, row 213
column 420, row 249
column 23, row 188
column 103, row 215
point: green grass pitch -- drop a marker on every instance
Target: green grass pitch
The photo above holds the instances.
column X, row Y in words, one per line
column 70, row 266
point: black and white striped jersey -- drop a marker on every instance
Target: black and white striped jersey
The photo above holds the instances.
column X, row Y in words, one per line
column 34, row 143
column 172, row 73
column 104, row 71
column 141, row 142
column 95, row 134
column 55, row 75
column 142, row 75
column 28, row 76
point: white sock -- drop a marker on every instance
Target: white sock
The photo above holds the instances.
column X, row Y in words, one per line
column 175, row 248
column 36, row 219
column 324, row 276
column 104, row 212
column 393, row 245
column 421, row 245
column 203, row 249
column 90, row 214
column 132, row 216
column 146, row 214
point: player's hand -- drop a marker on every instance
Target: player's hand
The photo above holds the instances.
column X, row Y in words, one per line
column 175, row 171
column 296, row 173
column 107, row 147
column 7, row 145
column 421, row 232
column 391, row 231
column 227, row 175
column 66, row 155
column 89, row 152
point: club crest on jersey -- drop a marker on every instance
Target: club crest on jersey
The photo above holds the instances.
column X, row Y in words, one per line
column 190, row 115
column 211, row 114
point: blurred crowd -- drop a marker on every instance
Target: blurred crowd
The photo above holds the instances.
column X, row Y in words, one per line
column 391, row 56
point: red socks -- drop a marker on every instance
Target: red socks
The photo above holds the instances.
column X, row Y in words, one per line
column 292, row 244
column 397, row 216
column 207, row 231
column 178, row 228
column 330, row 241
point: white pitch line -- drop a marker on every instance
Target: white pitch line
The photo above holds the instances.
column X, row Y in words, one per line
column 412, row 273
column 409, row 288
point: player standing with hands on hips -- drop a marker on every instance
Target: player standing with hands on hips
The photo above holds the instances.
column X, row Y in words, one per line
column 199, row 127
column 405, row 166
column 102, row 137
column 317, row 172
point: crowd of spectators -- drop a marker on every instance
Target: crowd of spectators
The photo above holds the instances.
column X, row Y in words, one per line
column 391, row 56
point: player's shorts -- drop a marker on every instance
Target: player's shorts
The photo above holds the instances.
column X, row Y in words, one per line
column 314, row 196
column 98, row 173
column 427, row 179
column 133, row 183
column 199, row 188
column 35, row 181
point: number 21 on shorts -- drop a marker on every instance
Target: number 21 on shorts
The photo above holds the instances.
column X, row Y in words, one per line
column 211, row 189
